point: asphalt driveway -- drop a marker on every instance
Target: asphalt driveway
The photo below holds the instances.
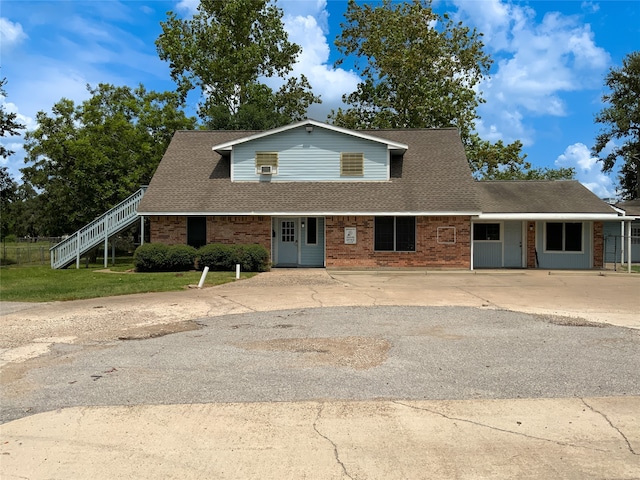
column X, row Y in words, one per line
column 361, row 375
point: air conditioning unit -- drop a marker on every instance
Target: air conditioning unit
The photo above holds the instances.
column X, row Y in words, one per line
column 266, row 170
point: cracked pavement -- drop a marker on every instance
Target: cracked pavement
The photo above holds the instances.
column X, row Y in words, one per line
column 365, row 375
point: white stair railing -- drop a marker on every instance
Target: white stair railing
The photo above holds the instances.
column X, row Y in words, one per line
column 98, row 231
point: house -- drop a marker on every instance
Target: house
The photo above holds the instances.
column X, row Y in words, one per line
column 317, row 195
column 539, row 224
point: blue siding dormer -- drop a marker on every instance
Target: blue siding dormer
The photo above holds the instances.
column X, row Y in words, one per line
column 309, row 157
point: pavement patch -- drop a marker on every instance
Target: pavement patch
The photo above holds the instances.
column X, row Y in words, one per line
column 358, row 353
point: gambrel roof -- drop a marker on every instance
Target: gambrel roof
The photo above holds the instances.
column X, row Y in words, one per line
column 432, row 177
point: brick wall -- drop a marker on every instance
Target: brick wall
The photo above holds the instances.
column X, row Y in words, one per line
column 598, row 244
column 172, row 230
column 240, row 229
column 441, row 242
column 531, row 244
column 168, row 230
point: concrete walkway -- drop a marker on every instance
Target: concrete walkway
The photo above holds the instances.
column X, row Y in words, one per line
column 511, row 438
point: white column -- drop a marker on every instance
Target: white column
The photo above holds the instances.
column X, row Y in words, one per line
column 141, row 230
column 629, row 247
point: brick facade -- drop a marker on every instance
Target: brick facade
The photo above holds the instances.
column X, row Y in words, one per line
column 598, row 244
column 442, row 242
column 240, row 229
column 168, row 230
column 172, row 230
column 531, row 245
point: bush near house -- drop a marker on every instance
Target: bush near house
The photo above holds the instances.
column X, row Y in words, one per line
column 221, row 257
column 157, row 257
column 151, row 257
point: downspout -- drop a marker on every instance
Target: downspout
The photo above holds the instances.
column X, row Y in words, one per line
column 471, row 239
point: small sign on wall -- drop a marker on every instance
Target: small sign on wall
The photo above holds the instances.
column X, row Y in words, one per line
column 350, row 235
column 446, row 235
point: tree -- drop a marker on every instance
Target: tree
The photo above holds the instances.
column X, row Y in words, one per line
column 419, row 69
column 621, row 120
column 497, row 161
column 225, row 50
column 422, row 70
column 84, row 159
column 9, row 126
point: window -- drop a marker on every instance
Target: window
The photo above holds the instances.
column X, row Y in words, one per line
column 635, row 235
column 288, row 230
column 312, row 230
column 395, row 234
column 486, row 231
column 563, row 237
column 352, row 164
column 266, row 159
column 196, row 231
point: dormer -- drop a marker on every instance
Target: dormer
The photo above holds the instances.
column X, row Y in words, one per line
column 310, row 151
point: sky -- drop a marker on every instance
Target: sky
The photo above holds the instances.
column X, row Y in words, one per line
column 545, row 87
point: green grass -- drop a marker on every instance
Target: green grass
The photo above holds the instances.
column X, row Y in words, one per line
column 42, row 284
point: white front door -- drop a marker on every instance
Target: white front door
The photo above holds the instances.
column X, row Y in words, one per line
column 287, row 241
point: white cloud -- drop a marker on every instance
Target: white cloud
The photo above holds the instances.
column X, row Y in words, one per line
column 536, row 61
column 588, row 171
column 10, row 33
column 188, row 6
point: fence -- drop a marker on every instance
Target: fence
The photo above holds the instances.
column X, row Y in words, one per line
column 616, row 252
column 27, row 252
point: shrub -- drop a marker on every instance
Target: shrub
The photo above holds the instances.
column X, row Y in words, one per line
column 222, row 257
column 181, row 258
column 158, row 257
column 11, row 238
column 151, row 257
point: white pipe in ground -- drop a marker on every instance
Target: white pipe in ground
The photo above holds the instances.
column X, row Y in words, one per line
column 237, row 271
column 204, row 275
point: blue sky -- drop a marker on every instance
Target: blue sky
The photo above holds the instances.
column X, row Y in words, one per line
column 546, row 84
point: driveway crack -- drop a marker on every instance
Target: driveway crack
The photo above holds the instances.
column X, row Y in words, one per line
column 314, row 297
column 633, row 452
column 498, row 429
column 336, row 454
column 487, row 303
column 237, row 303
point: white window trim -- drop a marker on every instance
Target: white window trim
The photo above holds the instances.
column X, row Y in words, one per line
column 306, row 237
column 563, row 251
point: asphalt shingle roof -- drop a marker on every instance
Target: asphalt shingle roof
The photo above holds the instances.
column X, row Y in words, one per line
column 433, row 176
column 631, row 207
column 529, row 196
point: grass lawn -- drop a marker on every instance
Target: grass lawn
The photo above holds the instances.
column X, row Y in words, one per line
column 43, row 284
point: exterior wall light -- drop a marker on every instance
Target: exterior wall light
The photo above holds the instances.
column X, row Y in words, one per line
column 309, row 128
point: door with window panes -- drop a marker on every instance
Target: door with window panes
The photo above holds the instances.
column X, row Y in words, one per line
column 287, row 240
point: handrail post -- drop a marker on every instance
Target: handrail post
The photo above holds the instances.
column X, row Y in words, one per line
column 77, row 250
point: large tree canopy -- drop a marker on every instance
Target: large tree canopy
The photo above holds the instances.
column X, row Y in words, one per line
column 419, row 69
column 497, row 161
column 620, row 135
column 9, row 126
column 84, row 159
column 225, row 50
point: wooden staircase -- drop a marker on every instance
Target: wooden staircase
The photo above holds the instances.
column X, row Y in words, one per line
column 98, row 231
